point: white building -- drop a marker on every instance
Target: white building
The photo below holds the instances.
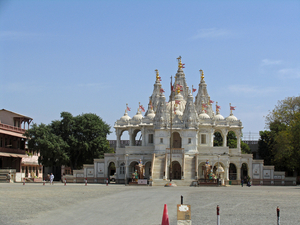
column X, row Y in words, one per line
column 192, row 123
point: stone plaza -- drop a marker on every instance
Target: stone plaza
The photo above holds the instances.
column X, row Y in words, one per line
column 35, row 203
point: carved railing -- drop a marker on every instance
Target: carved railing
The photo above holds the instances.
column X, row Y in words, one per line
column 12, row 150
column 12, row 128
column 175, row 150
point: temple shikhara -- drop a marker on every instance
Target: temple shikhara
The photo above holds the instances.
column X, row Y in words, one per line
column 175, row 139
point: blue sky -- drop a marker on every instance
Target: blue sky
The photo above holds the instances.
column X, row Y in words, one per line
column 96, row 56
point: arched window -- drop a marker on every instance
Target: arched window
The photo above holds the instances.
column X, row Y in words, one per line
column 122, row 168
column 218, row 139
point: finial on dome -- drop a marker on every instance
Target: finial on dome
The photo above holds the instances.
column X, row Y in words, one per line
column 217, row 107
column 180, row 65
column 157, row 75
column 231, row 108
column 127, row 108
column 150, row 103
column 202, row 75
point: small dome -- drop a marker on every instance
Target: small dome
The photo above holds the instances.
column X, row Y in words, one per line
column 138, row 116
column 125, row 118
column 218, row 117
column 203, row 116
column 231, row 118
column 151, row 114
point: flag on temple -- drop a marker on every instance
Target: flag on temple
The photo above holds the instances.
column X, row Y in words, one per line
column 177, row 101
column 142, row 108
column 218, row 107
column 211, row 101
column 232, row 107
column 183, row 65
column 162, row 90
column 128, row 109
column 204, row 105
column 194, row 89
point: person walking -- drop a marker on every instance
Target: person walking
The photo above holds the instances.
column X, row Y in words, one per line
column 242, row 182
column 51, row 178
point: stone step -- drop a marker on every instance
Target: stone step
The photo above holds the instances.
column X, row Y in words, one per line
column 161, row 182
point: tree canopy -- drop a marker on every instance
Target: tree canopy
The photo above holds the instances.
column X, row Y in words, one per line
column 280, row 145
column 71, row 141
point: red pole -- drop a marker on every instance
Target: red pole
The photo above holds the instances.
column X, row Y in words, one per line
column 44, row 182
column 278, row 215
column 65, row 181
column 218, row 215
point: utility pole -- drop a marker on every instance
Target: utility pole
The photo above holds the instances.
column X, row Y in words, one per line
column 171, row 131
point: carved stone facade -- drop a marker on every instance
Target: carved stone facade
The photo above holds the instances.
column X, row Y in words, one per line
column 179, row 134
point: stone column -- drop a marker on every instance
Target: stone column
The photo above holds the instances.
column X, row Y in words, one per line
column 238, row 172
column 212, row 138
column 131, row 141
column 238, row 145
column 143, row 137
column 118, row 139
column 226, row 174
column 126, row 167
column 196, row 167
column 165, row 177
column 224, row 133
column 183, row 165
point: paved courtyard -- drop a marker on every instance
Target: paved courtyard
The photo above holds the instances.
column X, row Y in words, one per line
column 119, row 204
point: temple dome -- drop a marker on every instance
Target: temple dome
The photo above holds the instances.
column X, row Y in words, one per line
column 218, row 117
column 203, row 116
column 138, row 116
column 125, row 118
column 231, row 118
column 151, row 114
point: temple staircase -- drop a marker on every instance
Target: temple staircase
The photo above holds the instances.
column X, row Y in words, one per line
column 158, row 168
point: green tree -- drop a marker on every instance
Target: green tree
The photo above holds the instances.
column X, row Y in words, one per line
column 71, row 141
column 280, row 145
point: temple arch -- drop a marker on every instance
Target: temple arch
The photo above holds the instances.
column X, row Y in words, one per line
column 231, row 139
column 111, row 170
column 132, row 167
column 124, row 138
column 137, row 137
column 232, row 171
column 176, row 170
column 244, row 171
column 176, row 140
column 218, row 138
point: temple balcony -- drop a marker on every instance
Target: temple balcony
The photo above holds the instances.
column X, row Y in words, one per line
column 13, row 150
column 11, row 128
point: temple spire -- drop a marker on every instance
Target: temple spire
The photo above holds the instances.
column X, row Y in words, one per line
column 158, row 78
column 202, row 75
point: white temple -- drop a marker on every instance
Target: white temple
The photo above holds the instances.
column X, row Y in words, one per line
column 192, row 123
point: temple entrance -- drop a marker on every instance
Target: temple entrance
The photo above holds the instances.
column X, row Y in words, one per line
column 244, row 171
column 111, row 172
column 176, row 170
column 232, row 172
column 176, row 140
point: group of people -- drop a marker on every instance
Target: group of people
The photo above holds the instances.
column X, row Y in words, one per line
column 246, row 179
